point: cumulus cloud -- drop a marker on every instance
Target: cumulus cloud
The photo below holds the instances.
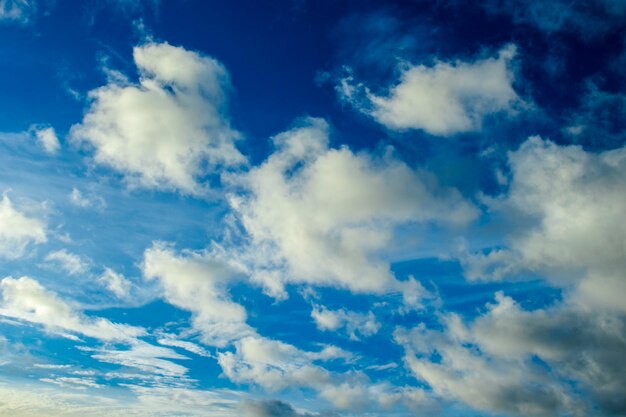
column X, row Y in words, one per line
column 69, row 262
column 491, row 363
column 275, row 365
column 17, row 230
column 355, row 324
column 324, row 216
column 567, row 207
column 443, row 99
column 169, row 131
column 116, row 283
column 198, row 282
column 47, row 139
column 25, row 299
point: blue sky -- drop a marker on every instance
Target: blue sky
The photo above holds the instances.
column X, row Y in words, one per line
column 298, row 209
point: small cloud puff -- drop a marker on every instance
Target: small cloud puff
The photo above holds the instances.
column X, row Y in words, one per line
column 47, row 139
column 443, row 99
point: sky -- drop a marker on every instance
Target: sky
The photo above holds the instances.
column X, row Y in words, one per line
column 296, row 208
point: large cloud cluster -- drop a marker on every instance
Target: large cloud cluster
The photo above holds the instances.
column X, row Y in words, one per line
column 308, row 202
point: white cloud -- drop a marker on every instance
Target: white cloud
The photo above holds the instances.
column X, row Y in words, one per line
column 69, row 262
column 570, row 207
column 355, row 324
column 324, row 216
column 116, row 283
column 38, row 399
column 170, row 130
column 25, row 299
column 73, row 382
column 442, row 99
column 198, row 282
column 50, row 366
column 172, row 340
column 491, row 363
column 79, row 199
column 17, row 231
column 275, row 365
column 187, row 402
column 47, row 139
column 147, row 358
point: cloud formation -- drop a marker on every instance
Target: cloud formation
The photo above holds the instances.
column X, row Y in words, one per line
column 443, row 99
column 491, row 362
column 25, row 299
column 169, row 131
column 566, row 206
column 356, row 325
column 198, row 282
column 116, row 283
column 69, row 262
column 308, row 202
column 18, row 231
column 48, row 140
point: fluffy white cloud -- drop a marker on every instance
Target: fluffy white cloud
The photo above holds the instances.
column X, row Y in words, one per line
column 491, row 363
column 443, row 99
column 116, row 283
column 17, row 230
column 69, row 262
column 570, row 207
column 47, row 139
column 170, row 130
column 198, row 282
column 324, row 216
column 355, row 324
column 275, row 365
column 25, row 299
